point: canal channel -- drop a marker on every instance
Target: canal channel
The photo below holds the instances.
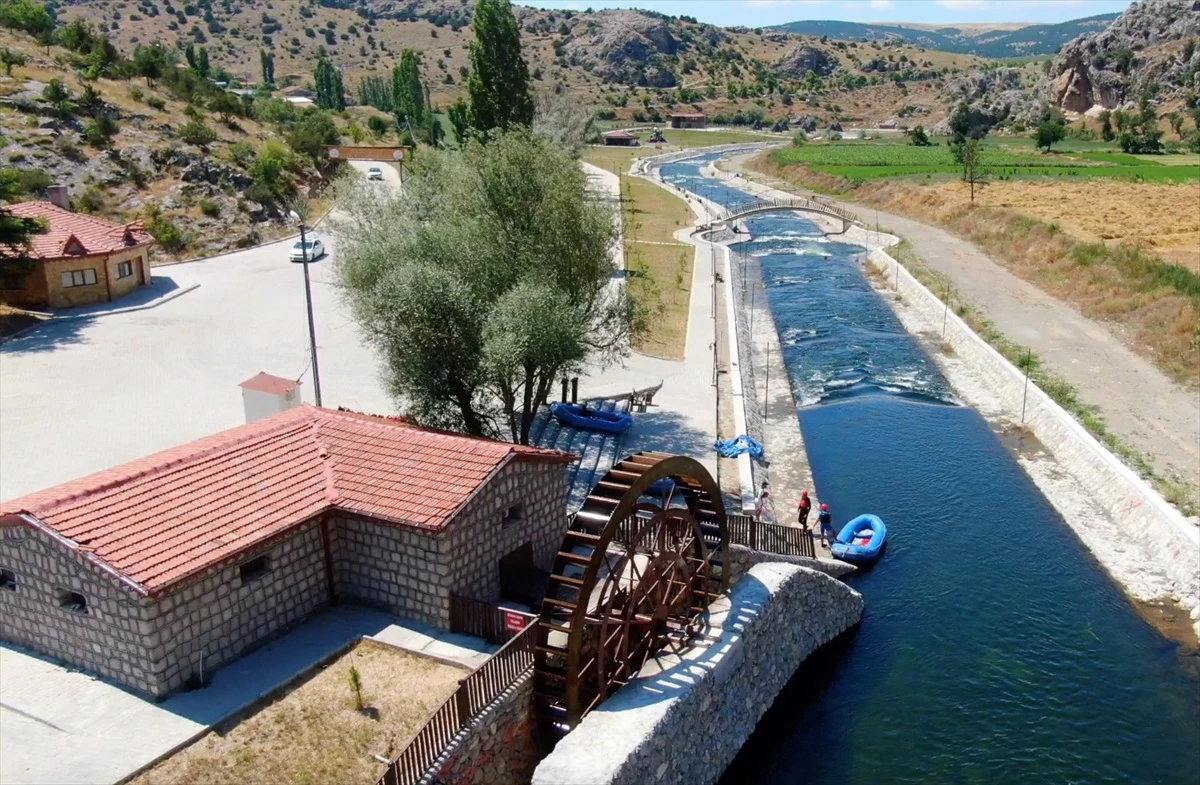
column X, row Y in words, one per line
column 994, row 648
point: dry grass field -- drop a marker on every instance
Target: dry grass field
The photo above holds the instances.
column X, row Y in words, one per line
column 313, row 735
column 1165, row 217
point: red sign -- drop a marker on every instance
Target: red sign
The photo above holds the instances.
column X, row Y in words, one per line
column 513, row 622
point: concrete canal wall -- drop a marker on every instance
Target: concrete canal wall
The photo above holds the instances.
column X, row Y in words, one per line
column 684, row 718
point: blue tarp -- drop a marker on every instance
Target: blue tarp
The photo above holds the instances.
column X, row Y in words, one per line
column 732, row 448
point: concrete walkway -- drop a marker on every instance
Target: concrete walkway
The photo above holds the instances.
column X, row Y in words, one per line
column 1137, row 401
column 683, row 419
column 61, row 727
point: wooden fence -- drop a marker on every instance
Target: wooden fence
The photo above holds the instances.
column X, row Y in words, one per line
column 485, row 620
column 473, row 695
column 771, row 537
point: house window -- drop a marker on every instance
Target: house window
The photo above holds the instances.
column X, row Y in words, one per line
column 124, row 269
column 254, row 569
column 8, row 580
column 514, row 514
column 78, row 278
column 72, row 601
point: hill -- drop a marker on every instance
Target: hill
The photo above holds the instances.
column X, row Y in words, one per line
column 631, row 66
column 991, row 41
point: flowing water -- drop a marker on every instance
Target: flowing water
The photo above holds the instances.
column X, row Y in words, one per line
column 994, row 649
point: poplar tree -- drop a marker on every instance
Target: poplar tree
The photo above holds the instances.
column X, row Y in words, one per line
column 498, row 87
column 267, row 61
column 408, row 97
column 328, row 84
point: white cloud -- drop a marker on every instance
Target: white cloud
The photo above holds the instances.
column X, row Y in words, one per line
column 964, row 5
column 883, row 4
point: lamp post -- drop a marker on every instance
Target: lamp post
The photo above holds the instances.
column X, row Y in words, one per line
column 312, row 330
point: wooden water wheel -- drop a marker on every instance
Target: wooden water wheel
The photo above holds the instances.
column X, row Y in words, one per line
column 643, row 557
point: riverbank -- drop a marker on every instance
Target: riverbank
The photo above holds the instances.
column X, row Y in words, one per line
column 1137, row 548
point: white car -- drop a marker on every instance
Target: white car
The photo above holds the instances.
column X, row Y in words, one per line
column 374, row 173
column 316, row 249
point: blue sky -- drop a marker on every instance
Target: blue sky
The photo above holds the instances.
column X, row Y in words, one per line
column 760, row 13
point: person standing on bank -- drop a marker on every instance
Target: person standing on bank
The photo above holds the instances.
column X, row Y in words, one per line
column 826, row 522
column 803, row 509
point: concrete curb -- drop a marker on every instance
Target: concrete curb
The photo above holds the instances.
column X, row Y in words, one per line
column 166, row 298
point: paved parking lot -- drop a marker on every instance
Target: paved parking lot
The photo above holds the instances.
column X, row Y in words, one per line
column 82, row 395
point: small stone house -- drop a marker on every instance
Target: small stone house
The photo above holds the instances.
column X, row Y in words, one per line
column 79, row 260
column 686, row 119
column 160, row 570
column 619, row 139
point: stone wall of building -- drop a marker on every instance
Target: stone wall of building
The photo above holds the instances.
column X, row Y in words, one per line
column 485, row 531
column 219, row 617
column 396, row 569
column 502, row 746
column 108, row 639
column 707, row 701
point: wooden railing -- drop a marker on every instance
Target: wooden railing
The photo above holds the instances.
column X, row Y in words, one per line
column 473, row 695
column 771, row 537
column 484, row 620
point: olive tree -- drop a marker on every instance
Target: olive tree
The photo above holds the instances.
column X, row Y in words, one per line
column 483, row 282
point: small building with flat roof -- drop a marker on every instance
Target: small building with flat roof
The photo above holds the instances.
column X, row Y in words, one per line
column 620, row 139
column 686, row 119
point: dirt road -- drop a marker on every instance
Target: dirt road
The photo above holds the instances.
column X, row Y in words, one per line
column 1137, row 401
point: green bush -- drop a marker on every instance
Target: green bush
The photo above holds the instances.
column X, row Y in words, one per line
column 242, row 154
column 167, row 235
column 197, row 133
column 210, row 208
column 100, row 129
column 90, row 201
column 136, row 93
column 154, row 102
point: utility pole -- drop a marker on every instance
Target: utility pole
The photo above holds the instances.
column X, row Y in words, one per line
column 312, row 330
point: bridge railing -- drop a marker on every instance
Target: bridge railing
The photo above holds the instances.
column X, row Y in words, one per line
column 763, row 205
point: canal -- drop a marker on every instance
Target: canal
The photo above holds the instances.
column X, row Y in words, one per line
column 994, row 648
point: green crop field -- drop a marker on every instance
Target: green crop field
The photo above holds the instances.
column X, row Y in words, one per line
column 1003, row 158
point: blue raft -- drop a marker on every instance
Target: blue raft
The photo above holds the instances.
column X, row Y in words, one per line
column 860, row 540
column 577, row 416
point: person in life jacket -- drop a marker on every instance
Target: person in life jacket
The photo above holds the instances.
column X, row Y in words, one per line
column 826, row 521
column 803, row 509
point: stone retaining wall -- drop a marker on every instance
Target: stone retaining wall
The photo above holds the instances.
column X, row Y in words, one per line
column 684, row 718
column 743, row 558
column 501, row 746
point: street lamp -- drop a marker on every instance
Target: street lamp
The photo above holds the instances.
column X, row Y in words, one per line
column 312, row 330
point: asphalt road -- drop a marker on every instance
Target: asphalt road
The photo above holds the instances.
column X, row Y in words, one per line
column 84, row 395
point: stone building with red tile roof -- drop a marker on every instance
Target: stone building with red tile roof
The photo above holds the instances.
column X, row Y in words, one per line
column 149, row 572
column 79, row 260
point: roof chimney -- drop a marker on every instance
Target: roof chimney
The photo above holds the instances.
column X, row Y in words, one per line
column 58, row 196
column 264, row 395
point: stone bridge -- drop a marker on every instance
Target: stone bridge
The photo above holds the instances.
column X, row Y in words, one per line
column 756, row 206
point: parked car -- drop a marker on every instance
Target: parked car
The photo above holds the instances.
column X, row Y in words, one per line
column 374, row 173
column 316, row 249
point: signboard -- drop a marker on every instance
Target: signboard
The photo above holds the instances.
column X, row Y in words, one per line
column 513, row 622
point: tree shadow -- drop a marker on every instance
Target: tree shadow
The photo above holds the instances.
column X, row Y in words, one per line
column 45, row 337
column 661, row 430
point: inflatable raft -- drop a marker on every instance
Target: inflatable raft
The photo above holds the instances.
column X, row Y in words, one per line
column 860, row 540
column 577, row 416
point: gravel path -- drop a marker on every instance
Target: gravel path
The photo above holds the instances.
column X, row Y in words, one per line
column 1137, row 401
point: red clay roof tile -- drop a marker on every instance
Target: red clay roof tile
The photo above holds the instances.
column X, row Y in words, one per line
column 93, row 235
column 163, row 518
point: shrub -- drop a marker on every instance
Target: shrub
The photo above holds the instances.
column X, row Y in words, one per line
column 33, row 181
column 154, row 102
column 136, row 93
column 210, row 208
column 196, row 132
column 90, row 201
column 167, row 235
column 100, row 129
column 55, row 92
column 242, row 154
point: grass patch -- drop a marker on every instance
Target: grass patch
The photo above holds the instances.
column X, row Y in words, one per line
column 314, row 734
column 660, row 276
column 1059, row 390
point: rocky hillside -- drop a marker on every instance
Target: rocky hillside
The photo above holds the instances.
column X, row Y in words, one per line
column 1145, row 49
column 633, row 66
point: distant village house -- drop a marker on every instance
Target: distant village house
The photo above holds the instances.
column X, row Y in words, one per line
column 620, row 139
column 79, row 260
column 687, row 120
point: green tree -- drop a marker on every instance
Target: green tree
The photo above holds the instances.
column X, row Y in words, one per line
column 266, row 62
column 26, row 15
column 55, row 92
column 458, row 114
column 498, row 87
column 9, row 58
column 1176, row 121
column 100, row 130
column 972, row 165
column 484, row 282
column 15, row 232
column 189, row 55
column 225, row 104
column 564, row 120
column 408, row 96
column 1106, row 129
column 328, row 82
column 918, row 138
column 150, row 62
column 202, row 66
column 1049, row 132
column 195, row 132
column 311, row 135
